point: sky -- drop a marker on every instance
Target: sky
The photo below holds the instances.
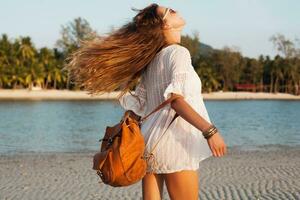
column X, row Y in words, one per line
column 246, row 24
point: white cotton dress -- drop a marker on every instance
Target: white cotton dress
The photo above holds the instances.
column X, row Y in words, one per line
column 183, row 146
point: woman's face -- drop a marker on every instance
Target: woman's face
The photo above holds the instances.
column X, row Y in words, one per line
column 172, row 18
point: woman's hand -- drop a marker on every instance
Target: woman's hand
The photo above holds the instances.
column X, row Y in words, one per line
column 217, row 145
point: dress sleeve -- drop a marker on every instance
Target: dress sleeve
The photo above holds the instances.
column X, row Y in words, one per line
column 136, row 104
column 180, row 64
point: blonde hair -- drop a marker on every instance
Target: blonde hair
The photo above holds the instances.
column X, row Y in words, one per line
column 116, row 61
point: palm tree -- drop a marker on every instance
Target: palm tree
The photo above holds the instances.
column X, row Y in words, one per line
column 27, row 62
column 34, row 75
column 5, row 59
column 49, row 63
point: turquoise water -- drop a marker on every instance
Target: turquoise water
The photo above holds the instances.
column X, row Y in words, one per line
column 71, row 126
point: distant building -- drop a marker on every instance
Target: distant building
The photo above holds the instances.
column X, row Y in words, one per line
column 244, row 87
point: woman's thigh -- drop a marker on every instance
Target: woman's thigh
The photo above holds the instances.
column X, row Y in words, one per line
column 182, row 185
column 152, row 186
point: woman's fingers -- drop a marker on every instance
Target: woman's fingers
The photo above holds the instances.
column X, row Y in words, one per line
column 222, row 150
column 214, row 152
column 219, row 152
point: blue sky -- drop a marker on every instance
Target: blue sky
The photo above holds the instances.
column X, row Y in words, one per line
column 246, row 24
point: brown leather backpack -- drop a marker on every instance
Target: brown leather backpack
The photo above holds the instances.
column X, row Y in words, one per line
column 121, row 160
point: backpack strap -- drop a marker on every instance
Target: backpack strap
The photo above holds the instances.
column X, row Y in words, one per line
column 175, row 116
column 166, row 102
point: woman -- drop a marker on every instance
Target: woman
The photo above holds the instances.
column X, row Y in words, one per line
column 146, row 53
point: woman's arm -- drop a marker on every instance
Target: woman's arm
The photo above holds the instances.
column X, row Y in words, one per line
column 183, row 109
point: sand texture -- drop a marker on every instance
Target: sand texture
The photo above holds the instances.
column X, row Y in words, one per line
column 269, row 173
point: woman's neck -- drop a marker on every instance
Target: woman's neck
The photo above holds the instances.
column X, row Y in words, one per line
column 173, row 37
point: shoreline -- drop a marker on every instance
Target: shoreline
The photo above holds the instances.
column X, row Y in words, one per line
column 261, row 174
column 25, row 94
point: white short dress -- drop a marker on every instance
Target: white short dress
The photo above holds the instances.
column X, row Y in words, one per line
column 182, row 146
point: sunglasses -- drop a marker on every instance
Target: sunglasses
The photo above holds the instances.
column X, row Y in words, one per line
column 168, row 10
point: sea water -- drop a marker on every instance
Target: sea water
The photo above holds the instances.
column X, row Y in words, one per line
column 77, row 125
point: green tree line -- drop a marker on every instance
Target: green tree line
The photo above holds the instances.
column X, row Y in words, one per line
column 22, row 65
column 222, row 69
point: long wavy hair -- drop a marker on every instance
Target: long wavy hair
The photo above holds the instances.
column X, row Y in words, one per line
column 117, row 61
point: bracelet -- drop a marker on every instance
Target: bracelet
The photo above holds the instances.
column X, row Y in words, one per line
column 211, row 134
column 211, row 131
column 211, row 128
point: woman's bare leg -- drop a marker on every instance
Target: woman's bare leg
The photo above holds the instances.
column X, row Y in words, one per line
column 182, row 185
column 152, row 186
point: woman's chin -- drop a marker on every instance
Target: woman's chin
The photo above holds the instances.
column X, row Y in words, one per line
column 181, row 26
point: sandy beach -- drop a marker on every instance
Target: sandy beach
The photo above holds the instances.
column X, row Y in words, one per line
column 24, row 94
column 271, row 172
